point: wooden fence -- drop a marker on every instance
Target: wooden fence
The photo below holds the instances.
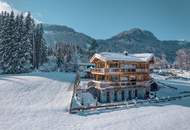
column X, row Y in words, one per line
column 127, row 104
column 76, row 84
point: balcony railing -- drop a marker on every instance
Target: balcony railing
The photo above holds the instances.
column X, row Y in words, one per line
column 119, row 70
column 105, row 84
column 98, row 70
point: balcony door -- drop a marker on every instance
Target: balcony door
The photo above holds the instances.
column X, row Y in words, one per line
column 115, row 96
column 136, row 93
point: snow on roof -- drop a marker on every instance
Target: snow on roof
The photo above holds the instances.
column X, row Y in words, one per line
column 110, row 56
column 85, row 64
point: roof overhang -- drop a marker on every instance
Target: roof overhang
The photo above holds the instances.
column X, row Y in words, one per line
column 109, row 56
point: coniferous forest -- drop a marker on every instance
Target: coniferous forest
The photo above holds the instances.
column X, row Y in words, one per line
column 22, row 46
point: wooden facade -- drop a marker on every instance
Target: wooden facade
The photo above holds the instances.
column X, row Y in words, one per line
column 112, row 76
column 116, row 71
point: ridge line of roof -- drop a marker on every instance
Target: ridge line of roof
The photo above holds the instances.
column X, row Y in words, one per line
column 107, row 56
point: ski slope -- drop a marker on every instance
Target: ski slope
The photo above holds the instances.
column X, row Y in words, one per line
column 40, row 101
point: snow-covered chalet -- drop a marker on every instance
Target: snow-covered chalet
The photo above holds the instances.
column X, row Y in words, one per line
column 120, row 76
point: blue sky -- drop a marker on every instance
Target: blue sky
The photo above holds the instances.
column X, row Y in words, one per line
column 167, row 19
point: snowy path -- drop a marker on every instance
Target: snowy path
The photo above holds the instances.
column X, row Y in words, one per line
column 40, row 102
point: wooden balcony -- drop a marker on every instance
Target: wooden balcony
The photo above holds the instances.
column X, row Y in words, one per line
column 118, row 70
column 106, row 84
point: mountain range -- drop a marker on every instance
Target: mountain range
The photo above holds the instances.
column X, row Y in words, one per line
column 134, row 41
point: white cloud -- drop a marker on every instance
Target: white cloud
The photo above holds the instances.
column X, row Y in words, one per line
column 4, row 6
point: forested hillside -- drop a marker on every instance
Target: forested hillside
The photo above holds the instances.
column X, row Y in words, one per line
column 134, row 40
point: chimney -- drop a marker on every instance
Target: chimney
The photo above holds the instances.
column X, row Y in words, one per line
column 125, row 52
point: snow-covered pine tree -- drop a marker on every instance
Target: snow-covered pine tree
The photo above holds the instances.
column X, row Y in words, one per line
column 3, row 38
column 1, row 31
column 26, row 42
column 21, row 62
column 44, row 49
column 3, row 41
column 40, row 48
column 8, row 51
column 183, row 59
column 66, row 55
column 92, row 49
column 28, row 37
column 13, row 45
column 74, row 57
column 37, row 47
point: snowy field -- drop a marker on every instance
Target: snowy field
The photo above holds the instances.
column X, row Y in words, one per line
column 40, row 101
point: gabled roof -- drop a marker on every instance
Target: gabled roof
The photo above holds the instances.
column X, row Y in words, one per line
column 111, row 56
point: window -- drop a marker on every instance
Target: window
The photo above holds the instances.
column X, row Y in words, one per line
column 133, row 65
column 108, row 96
column 129, row 94
column 114, row 78
column 113, row 65
column 133, row 70
column 122, row 95
column 133, row 83
column 115, row 95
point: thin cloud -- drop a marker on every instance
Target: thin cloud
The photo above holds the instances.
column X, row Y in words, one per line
column 4, row 6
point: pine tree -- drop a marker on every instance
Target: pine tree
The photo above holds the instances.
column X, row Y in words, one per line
column 26, row 42
column 21, row 63
column 59, row 55
column 66, row 55
column 29, row 33
column 40, row 48
column 1, row 34
column 8, row 45
column 12, row 59
column 44, row 49
column 4, row 39
column 92, row 49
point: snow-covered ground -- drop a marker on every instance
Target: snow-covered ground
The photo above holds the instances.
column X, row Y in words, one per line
column 181, row 73
column 40, row 101
column 176, row 72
